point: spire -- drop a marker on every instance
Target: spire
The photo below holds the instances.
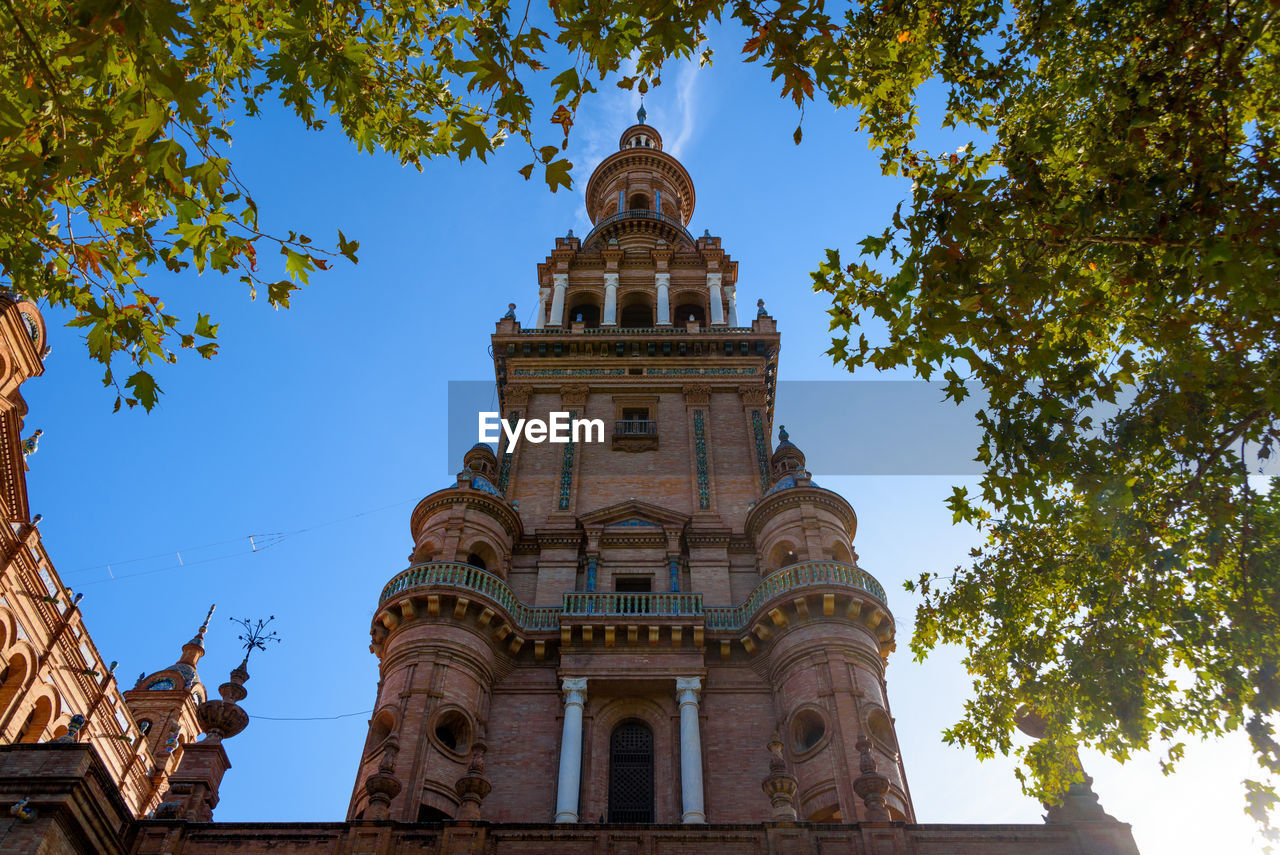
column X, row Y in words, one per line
column 204, row 627
column 194, row 649
column 641, row 115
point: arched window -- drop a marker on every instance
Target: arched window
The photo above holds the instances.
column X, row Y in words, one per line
column 639, row 202
column 631, row 773
column 476, row 560
column 586, row 314
column 144, row 727
column 635, row 316
column 690, row 313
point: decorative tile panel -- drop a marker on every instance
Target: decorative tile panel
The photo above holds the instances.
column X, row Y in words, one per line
column 700, row 449
column 566, row 468
column 762, row 450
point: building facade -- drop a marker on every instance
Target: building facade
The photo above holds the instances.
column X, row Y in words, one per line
column 653, row 637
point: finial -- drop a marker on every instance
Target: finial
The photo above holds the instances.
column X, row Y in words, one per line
column 511, row 311
column 22, row 812
column 871, row 785
column 31, row 444
column 570, row 233
column 641, row 115
column 783, row 436
column 706, row 233
column 73, row 729
column 204, row 627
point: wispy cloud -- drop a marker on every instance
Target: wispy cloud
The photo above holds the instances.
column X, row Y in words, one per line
column 671, row 108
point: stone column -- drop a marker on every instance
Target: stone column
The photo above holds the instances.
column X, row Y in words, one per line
column 610, row 318
column 664, row 302
column 544, row 294
column 575, row 696
column 717, row 303
column 557, row 299
column 687, row 689
column 730, row 294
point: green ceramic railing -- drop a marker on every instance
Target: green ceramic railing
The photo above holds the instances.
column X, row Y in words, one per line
column 449, row 574
column 614, row 603
column 789, row 579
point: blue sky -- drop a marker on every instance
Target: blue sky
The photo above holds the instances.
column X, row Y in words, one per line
column 316, row 429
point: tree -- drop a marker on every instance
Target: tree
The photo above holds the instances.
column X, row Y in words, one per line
column 1099, row 266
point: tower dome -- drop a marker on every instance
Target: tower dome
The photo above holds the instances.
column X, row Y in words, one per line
column 640, row 190
column 182, row 674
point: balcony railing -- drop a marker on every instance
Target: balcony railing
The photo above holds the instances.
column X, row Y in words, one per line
column 464, row 577
column 450, row 574
column 655, row 604
column 789, row 579
column 635, row 427
column 639, row 214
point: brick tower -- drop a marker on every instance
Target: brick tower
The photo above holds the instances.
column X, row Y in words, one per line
column 616, row 630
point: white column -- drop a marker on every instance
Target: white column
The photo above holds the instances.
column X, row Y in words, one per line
column 717, row 303
column 731, row 294
column 575, row 696
column 610, row 300
column 687, row 689
column 664, row 302
column 540, row 321
column 557, row 299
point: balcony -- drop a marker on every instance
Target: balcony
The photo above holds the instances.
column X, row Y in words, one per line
column 733, row 619
column 790, row 580
column 637, row 217
column 649, row 604
column 635, row 435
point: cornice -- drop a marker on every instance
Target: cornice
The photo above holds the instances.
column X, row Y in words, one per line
column 791, row 497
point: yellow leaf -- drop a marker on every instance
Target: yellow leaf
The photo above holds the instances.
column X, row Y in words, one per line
column 904, row 35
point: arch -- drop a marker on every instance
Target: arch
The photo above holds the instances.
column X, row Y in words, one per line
column 15, row 677
column 638, row 202
column 38, row 719
column 839, row 551
column 687, row 314
column 6, row 628
column 428, row 550
column 783, row 554
column 427, row 813
column 586, row 309
column 481, row 554
column 636, row 312
column 631, row 772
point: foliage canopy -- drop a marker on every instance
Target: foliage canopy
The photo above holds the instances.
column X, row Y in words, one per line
column 1100, row 268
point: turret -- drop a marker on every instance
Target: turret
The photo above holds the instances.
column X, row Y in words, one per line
column 164, row 705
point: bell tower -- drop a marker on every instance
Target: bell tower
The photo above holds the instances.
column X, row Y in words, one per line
column 627, row 627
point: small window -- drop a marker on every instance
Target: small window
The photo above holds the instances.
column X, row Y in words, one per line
column 807, row 729
column 453, row 731
column 144, row 727
column 633, row 584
